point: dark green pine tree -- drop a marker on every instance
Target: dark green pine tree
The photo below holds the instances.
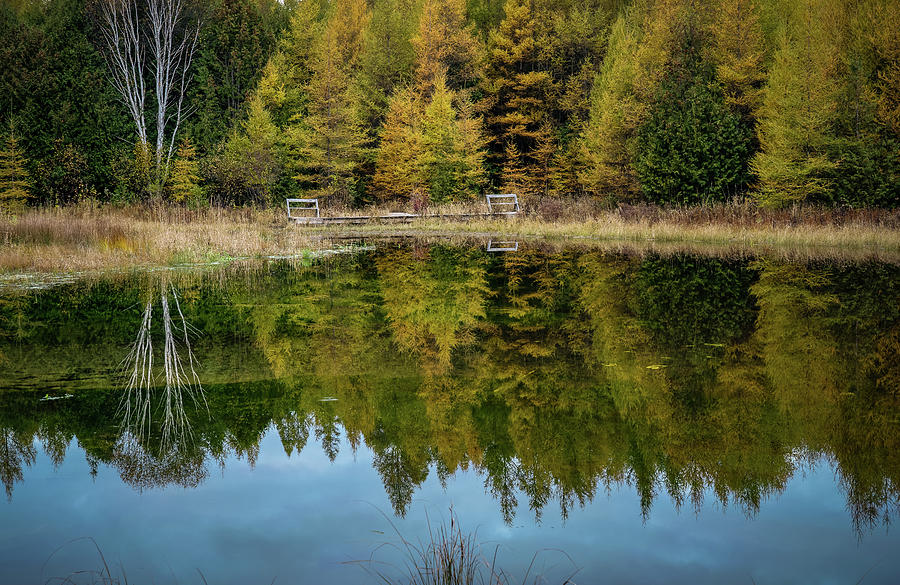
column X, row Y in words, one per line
column 693, row 149
column 799, row 106
column 53, row 82
column 237, row 40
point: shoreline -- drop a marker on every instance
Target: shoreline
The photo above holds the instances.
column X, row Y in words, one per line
column 88, row 239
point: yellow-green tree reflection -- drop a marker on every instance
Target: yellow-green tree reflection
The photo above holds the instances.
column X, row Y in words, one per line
column 552, row 375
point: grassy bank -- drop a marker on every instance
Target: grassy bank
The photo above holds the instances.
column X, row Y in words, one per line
column 734, row 225
column 87, row 238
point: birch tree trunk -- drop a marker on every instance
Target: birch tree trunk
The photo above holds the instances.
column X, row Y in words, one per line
column 125, row 56
column 151, row 44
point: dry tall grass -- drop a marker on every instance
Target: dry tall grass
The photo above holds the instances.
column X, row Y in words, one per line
column 86, row 238
column 736, row 224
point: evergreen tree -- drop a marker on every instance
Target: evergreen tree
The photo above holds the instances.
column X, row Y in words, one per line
column 387, row 58
column 184, row 181
column 452, row 148
column 865, row 144
column 472, row 149
column 53, row 82
column 436, row 149
column 565, row 171
column 294, row 59
column 544, row 157
column 284, row 83
column 14, row 180
column 737, row 51
column 248, row 168
column 444, row 45
column 331, row 139
column 692, row 149
column 345, row 32
column 386, row 63
column 649, row 44
column 236, row 41
column 397, row 173
column 615, row 114
column 279, row 104
column 799, row 106
column 439, row 143
column 515, row 177
column 573, row 49
column 519, row 85
column 485, row 15
column 884, row 18
column 669, row 39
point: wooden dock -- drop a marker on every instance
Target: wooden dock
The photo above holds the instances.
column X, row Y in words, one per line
column 389, row 218
column 498, row 206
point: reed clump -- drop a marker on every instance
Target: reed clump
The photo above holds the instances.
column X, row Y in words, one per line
column 451, row 556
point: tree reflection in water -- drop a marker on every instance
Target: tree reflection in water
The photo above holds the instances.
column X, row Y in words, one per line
column 16, row 451
column 174, row 458
column 554, row 376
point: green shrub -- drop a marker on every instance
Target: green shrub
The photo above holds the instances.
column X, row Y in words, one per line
column 692, row 149
column 867, row 173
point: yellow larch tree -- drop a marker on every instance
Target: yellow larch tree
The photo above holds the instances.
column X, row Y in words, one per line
column 444, row 45
column 14, row 180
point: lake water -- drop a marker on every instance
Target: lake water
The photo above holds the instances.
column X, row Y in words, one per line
column 623, row 417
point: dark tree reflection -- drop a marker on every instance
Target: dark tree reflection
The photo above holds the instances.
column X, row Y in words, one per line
column 551, row 375
column 16, row 451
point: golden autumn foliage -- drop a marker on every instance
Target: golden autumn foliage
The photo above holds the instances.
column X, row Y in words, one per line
column 616, row 112
column 885, row 38
column 14, row 180
column 554, row 98
column 737, row 49
column 519, row 85
column 434, row 145
column 444, row 45
column 331, row 138
column 184, row 181
column 800, row 105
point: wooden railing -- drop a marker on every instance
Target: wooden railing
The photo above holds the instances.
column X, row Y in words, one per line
column 507, row 203
column 302, row 205
column 498, row 204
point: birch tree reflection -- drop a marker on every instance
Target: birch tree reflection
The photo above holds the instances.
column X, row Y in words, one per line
column 156, row 444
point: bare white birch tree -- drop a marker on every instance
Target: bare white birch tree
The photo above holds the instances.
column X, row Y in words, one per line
column 164, row 32
column 125, row 56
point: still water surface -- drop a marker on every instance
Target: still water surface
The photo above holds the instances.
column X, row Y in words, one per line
column 657, row 418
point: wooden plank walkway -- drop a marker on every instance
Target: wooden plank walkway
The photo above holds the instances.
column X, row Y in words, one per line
column 507, row 201
column 389, row 218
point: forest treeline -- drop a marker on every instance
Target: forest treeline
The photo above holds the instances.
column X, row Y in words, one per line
column 417, row 101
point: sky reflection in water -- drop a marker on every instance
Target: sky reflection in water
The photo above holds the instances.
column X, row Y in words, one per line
column 300, row 519
column 659, row 419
